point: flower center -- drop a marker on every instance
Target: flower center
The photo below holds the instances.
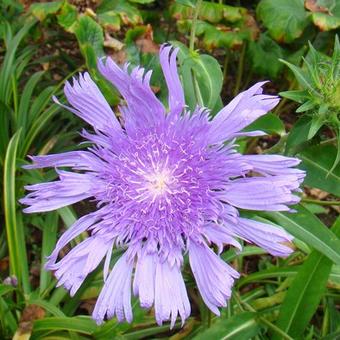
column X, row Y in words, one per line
column 158, row 182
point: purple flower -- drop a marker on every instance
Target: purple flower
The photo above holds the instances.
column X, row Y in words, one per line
column 166, row 181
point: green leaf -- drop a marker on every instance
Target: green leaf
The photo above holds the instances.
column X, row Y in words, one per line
column 269, row 123
column 305, row 292
column 298, row 134
column 275, row 272
column 142, row 1
column 316, row 123
column 68, row 17
column 299, row 96
column 308, row 105
column 301, row 76
column 42, row 10
column 4, row 289
column 110, row 20
column 129, row 13
column 285, row 20
column 240, row 326
column 25, row 99
column 7, row 65
column 264, row 55
column 14, row 229
column 202, row 78
column 49, row 238
column 329, row 18
column 84, row 325
column 38, row 125
column 91, row 40
column 318, row 161
column 308, row 228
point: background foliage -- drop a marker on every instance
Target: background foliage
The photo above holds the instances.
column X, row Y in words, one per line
column 225, row 46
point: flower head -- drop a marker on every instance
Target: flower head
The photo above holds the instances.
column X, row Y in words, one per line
column 166, row 181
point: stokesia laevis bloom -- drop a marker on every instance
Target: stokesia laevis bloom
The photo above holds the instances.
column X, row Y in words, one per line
column 167, row 182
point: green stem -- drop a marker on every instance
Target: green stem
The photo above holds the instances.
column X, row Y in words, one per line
column 262, row 319
column 240, row 70
column 274, row 328
column 319, row 202
column 225, row 67
column 193, row 25
column 205, row 315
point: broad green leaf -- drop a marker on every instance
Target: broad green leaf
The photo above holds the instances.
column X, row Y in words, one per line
column 240, row 326
column 305, row 292
column 308, row 228
column 318, row 161
column 130, row 14
column 264, row 55
column 91, row 40
column 67, row 18
column 188, row 3
column 269, row 123
column 110, row 20
column 285, row 20
column 142, row 1
column 14, row 228
column 328, row 17
column 42, row 10
column 202, row 78
column 209, row 11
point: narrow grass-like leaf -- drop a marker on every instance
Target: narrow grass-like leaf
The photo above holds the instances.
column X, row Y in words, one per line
column 240, row 326
column 305, row 293
column 25, row 99
column 6, row 70
column 38, row 125
column 270, row 273
column 84, row 325
column 308, row 228
column 15, row 241
column 48, row 242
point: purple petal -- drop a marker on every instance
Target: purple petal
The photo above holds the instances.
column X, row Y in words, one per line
column 264, row 235
column 262, row 193
column 143, row 105
column 213, row 276
column 240, row 112
column 81, row 225
column 275, row 165
column 220, row 236
column 167, row 58
column 115, row 297
column 72, row 269
column 144, row 280
column 76, row 159
column 171, row 296
column 71, row 188
column 90, row 105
